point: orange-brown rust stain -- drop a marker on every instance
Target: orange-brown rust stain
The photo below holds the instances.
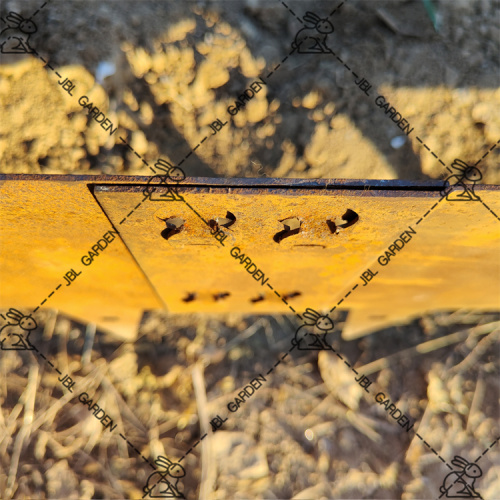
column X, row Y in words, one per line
column 193, row 262
column 46, row 229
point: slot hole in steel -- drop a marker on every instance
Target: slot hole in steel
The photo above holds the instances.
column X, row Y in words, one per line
column 332, row 226
column 259, row 298
column 348, row 219
column 174, row 226
column 292, row 226
column 219, row 222
column 311, row 245
column 292, row 295
column 221, row 296
column 189, row 297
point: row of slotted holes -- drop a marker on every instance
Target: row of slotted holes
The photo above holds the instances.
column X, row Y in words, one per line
column 292, row 225
column 190, row 297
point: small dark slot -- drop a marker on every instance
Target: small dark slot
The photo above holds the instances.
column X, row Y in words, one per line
column 292, row 226
column 174, row 226
column 312, row 245
column 221, row 296
column 260, row 298
column 351, row 217
column 292, row 295
column 110, row 318
column 332, row 226
column 348, row 219
column 189, row 297
column 226, row 221
column 230, row 220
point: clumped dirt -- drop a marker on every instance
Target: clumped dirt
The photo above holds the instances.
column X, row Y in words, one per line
column 179, row 65
column 310, row 431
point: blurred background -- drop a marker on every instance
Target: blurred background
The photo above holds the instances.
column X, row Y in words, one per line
column 161, row 71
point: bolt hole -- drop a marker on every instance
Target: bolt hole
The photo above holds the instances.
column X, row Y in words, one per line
column 332, row 226
column 348, row 219
column 311, row 245
column 292, row 226
column 226, row 221
column 189, row 297
column 221, row 296
column 259, row 298
column 351, row 217
column 174, row 226
column 292, row 295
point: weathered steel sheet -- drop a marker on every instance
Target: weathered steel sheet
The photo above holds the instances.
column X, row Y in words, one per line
column 48, row 224
column 452, row 260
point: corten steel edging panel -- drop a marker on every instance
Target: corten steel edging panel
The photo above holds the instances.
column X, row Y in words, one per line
column 48, row 224
column 58, row 209
column 453, row 238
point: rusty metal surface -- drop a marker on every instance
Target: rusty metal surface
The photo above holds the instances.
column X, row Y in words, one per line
column 50, row 222
column 90, row 180
column 454, row 243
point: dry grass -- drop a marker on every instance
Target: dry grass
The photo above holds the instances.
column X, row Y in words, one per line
column 309, row 429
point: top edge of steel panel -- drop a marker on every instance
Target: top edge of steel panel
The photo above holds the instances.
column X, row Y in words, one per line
column 427, row 185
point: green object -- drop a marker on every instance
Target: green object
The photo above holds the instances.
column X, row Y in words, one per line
column 431, row 11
